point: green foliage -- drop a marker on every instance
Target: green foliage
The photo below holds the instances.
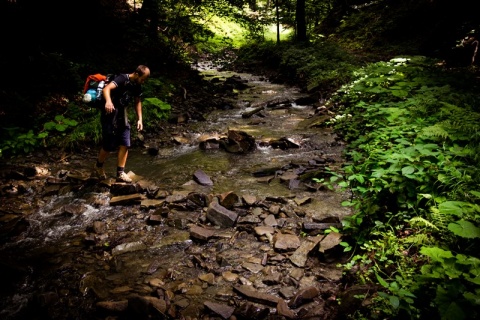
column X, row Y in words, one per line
column 156, row 109
column 318, row 66
column 412, row 165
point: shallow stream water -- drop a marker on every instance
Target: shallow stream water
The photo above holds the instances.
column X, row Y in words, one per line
column 52, row 269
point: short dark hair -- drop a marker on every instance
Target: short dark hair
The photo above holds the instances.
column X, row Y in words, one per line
column 141, row 70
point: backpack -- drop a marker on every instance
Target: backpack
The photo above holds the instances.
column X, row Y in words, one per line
column 94, row 84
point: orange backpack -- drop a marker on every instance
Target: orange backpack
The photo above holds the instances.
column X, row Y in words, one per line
column 94, row 84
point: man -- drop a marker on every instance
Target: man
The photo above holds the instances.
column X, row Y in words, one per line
column 115, row 127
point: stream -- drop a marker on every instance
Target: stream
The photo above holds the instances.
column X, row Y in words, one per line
column 173, row 252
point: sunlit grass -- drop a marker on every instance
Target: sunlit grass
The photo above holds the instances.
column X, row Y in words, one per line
column 231, row 34
column 270, row 33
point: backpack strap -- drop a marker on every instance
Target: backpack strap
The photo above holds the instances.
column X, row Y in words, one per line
column 95, row 77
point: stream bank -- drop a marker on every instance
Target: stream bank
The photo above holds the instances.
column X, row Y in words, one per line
column 203, row 232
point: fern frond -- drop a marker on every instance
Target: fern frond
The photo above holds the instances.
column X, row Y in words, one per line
column 440, row 220
column 416, row 221
column 436, row 130
column 417, row 239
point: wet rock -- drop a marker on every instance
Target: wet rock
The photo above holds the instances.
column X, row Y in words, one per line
column 280, row 200
column 252, row 267
column 250, row 293
column 200, row 233
column 178, row 238
column 230, row 276
column 151, row 203
column 272, row 278
column 283, row 143
column 312, row 226
column 113, row 306
column 208, row 278
column 270, row 221
column 330, row 241
column 287, row 292
column 238, row 142
column 286, row 242
column 74, row 209
column 228, row 199
column 99, row 227
column 303, row 201
column 221, row 216
column 303, row 296
column 126, row 200
column 199, row 199
column 249, row 200
column 222, row 310
column 202, row 178
column 284, row 311
column 299, row 257
column 123, row 188
column 128, row 247
column 264, row 230
column 153, row 266
column 252, row 312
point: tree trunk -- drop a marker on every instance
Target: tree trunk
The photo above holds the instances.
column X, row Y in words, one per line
column 301, row 23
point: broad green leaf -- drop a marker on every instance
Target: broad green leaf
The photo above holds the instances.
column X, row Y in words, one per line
column 400, row 93
column 464, row 229
column 408, row 170
column 436, row 254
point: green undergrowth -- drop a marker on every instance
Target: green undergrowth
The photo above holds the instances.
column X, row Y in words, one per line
column 319, row 66
column 413, row 156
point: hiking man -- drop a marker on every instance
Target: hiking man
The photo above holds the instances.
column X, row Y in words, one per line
column 115, row 126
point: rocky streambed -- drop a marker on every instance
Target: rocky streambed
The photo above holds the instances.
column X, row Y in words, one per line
column 227, row 222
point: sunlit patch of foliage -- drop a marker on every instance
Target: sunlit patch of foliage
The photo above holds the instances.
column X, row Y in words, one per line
column 412, row 164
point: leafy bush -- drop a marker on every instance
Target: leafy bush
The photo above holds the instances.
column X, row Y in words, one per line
column 412, row 164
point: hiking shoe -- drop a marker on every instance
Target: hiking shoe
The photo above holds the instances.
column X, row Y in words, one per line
column 123, row 177
column 99, row 172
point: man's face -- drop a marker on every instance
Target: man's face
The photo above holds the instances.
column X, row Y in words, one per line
column 143, row 78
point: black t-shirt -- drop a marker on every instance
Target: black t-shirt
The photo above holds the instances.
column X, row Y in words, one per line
column 125, row 91
column 121, row 96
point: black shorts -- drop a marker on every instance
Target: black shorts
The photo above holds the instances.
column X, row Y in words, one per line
column 114, row 133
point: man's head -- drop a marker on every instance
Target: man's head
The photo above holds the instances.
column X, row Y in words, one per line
column 141, row 74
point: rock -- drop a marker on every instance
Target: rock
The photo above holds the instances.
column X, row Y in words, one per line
column 128, row 247
column 228, row 199
column 299, row 257
column 252, row 267
column 151, row 203
column 124, row 200
column 257, row 296
column 229, row 276
column 270, row 221
column 263, row 230
column 286, row 242
column 283, row 310
column 249, row 200
column 99, row 227
column 331, row 240
column 303, row 296
column 221, row 216
column 208, row 278
column 202, row 178
column 201, row 233
column 74, row 209
column 114, row 306
column 222, row 310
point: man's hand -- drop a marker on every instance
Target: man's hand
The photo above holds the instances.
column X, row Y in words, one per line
column 139, row 125
column 109, row 107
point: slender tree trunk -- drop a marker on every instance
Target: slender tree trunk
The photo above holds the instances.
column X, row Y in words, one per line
column 278, row 21
column 300, row 19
